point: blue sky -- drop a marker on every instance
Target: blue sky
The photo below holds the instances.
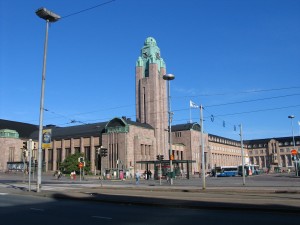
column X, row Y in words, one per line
column 239, row 59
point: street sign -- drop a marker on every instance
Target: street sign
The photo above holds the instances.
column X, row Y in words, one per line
column 294, row 152
column 80, row 165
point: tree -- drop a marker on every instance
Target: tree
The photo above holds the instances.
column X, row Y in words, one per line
column 71, row 164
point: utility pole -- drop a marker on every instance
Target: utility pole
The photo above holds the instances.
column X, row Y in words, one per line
column 202, row 149
column 243, row 159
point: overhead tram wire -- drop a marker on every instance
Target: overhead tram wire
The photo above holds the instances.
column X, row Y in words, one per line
column 253, row 100
column 183, row 109
column 206, row 117
column 88, row 9
column 255, row 111
column 238, row 92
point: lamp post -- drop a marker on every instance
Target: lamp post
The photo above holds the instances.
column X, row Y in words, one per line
column 169, row 77
column 294, row 144
column 50, row 17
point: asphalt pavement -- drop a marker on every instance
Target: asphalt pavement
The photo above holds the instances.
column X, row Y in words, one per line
column 268, row 192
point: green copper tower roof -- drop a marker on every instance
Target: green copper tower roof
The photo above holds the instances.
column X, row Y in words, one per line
column 150, row 53
column 150, row 41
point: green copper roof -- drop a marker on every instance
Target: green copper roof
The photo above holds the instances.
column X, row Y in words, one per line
column 150, row 41
column 7, row 133
column 150, row 53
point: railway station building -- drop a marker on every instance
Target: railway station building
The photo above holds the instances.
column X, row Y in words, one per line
column 130, row 141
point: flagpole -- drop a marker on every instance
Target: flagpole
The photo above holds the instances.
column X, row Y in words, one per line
column 190, row 114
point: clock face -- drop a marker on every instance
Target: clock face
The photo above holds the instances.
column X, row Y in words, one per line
column 157, row 55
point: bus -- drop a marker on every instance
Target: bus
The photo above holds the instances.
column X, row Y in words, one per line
column 250, row 169
column 225, row 171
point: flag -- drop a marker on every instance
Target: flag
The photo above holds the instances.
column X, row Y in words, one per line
column 193, row 105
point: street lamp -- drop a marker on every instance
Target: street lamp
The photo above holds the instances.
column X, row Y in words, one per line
column 50, row 17
column 169, row 77
column 292, row 126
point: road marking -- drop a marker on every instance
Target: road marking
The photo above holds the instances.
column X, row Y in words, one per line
column 102, row 217
column 36, row 209
column 3, row 193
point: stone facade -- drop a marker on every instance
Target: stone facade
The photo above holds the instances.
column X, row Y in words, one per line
column 273, row 153
column 10, row 150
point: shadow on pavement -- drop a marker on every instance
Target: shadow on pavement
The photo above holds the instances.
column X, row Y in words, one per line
column 177, row 203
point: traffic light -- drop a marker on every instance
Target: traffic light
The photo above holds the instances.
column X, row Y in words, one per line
column 81, row 159
column 160, row 157
column 24, row 149
column 25, row 152
column 103, row 152
column 24, row 145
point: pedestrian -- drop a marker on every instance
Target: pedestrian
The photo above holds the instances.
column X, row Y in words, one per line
column 59, row 174
column 73, row 175
column 137, row 178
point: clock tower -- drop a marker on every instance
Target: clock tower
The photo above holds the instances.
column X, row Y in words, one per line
column 151, row 95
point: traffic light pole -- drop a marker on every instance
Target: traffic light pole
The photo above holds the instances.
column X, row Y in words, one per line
column 29, row 164
column 242, row 154
column 103, row 153
column 24, row 153
column 160, row 173
column 80, row 174
column 160, row 158
column 101, row 177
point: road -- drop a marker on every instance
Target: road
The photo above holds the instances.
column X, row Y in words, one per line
column 266, row 198
column 15, row 209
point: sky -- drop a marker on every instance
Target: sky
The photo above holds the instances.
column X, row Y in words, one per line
column 240, row 60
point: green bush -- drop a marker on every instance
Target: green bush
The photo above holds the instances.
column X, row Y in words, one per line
column 71, row 163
